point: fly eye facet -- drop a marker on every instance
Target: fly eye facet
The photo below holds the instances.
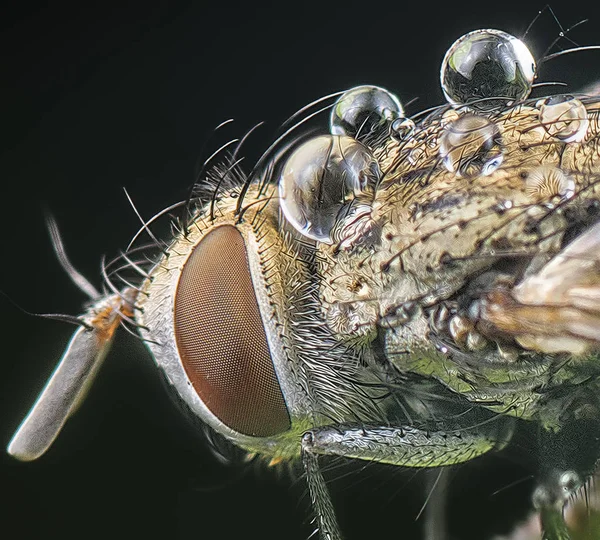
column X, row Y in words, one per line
column 221, row 337
column 363, row 110
column 324, row 181
column 486, row 69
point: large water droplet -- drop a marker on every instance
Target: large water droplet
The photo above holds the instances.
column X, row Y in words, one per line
column 363, row 110
column 487, row 69
column 564, row 117
column 323, row 181
column 471, row 146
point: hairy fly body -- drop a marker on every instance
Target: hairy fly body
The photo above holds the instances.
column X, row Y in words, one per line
column 417, row 291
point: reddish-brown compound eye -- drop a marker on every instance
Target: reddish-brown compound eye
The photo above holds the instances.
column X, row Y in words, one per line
column 221, row 337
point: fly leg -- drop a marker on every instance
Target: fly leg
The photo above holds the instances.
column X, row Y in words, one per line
column 435, row 504
column 550, row 499
column 568, row 458
column 402, row 446
column 327, row 524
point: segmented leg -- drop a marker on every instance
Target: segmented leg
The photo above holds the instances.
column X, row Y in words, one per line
column 553, row 524
column 435, row 505
column 551, row 497
column 403, row 446
column 321, row 501
column 567, row 458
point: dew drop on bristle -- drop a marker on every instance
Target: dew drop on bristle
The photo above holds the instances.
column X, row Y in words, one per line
column 471, row 146
column 402, row 128
column 564, row 118
column 363, row 110
column 323, row 181
column 485, row 69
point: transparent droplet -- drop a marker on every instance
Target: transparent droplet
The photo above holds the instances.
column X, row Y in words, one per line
column 363, row 110
column 564, row 117
column 416, row 155
column 402, row 128
column 324, row 181
column 487, row 69
column 471, row 146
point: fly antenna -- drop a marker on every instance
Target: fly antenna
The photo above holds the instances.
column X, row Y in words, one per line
column 79, row 279
column 71, row 319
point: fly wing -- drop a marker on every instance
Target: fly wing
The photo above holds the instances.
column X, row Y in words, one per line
column 71, row 379
column 558, row 308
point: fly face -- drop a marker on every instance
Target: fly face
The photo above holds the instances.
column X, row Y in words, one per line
column 382, row 292
column 261, row 379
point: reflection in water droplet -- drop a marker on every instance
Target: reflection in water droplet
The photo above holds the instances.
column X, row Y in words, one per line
column 363, row 110
column 324, row 181
column 471, row 146
column 564, row 118
column 487, row 69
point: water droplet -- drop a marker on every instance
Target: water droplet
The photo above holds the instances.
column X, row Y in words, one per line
column 324, row 181
column 363, row 110
column 402, row 128
column 471, row 146
column 564, row 117
column 416, row 155
column 487, row 69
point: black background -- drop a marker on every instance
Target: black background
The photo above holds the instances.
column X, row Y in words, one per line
column 94, row 99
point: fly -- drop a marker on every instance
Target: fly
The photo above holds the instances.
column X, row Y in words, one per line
column 417, row 291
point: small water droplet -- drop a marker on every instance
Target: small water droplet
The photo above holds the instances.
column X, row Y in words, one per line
column 324, row 181
column 416, row 155
column 363, row 110
column 487, row 69
column 471, row 146
column 564, row 117
column 402, row 128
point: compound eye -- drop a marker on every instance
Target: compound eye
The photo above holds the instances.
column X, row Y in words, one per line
column 221, row 337
column 486, row 69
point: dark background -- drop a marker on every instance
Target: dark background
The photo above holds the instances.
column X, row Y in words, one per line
column 94, row 99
